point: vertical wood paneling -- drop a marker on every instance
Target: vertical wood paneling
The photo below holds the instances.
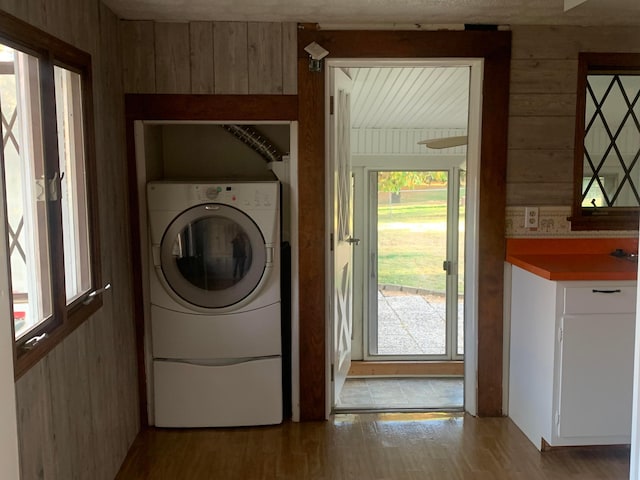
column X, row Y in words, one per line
column 17, row 8
column 34, row 423
column 231, row 57
column 265, row 57
column 173, row 71
column 78, row 407
column 36, row 12
column 60, row 424
column 138, row 54
column 59, row 22
column 209, row 57
column 289, row 58
column 115, row 331
column 201, row 46
column 69, row 20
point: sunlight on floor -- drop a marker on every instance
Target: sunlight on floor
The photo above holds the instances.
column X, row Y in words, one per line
column 374, row 393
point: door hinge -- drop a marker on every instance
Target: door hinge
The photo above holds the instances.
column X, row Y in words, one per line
column 331, row 242
column 331, row 105
column 560, row 335
column 557, row 420
column 332, row 373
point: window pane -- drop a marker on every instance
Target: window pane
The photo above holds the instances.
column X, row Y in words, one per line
column 26, row 204
column 75, row 224
column 612, row 141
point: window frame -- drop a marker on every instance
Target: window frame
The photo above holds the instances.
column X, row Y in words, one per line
column 605, row 218
column 51, row 52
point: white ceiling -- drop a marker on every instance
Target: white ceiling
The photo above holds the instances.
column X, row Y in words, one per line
column 408, row 12
column 410, row 97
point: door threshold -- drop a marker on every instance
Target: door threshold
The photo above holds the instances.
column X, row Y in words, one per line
column 402, row 368
column 356, row 410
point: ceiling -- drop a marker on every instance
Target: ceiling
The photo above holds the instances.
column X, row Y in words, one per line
column 408, row 13
column 394, row 98
column 410, row 97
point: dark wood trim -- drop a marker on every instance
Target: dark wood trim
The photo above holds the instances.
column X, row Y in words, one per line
column 495, row 49
column 171, row 107
column 405, row 44
column 491, row 228
column 26, row 37
column 51, row 51
column 603, row 218
column 311, row 241
column 137, row 291
column 66, row 318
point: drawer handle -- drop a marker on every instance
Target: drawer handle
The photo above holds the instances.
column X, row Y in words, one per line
column 617, row 290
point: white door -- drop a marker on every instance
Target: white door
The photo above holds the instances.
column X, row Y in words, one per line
column 341, row 230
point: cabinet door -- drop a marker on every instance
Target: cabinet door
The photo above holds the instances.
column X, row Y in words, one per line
column 596, row 375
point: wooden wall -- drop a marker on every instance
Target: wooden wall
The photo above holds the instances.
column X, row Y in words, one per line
column 257, row 58
column 544, row 66
column 209, row 57
column 78, row 407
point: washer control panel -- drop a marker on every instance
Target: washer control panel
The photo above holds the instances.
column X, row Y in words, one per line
column 246, row 195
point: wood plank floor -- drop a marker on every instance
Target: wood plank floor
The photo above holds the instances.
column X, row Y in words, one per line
column 405, row 446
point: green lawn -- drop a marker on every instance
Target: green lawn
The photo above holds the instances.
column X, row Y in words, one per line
column 412, row 242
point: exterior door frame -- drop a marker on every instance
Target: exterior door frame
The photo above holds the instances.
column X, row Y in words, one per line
column 494, row 48
column 453, row 175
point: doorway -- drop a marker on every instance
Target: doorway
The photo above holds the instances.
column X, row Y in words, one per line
column 416, row 269
column 409, row 212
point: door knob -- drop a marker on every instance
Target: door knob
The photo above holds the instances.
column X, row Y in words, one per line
column 352, row 240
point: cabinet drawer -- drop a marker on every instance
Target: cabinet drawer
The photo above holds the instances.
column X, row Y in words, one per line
column 600, row 299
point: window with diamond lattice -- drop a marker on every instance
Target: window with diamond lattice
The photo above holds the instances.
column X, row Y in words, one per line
column 612, row 141
column 607, row 149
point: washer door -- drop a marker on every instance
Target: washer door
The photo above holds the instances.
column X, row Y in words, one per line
column 213, row 255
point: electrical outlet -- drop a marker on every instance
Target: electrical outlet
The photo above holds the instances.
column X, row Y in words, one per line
column 531, row 217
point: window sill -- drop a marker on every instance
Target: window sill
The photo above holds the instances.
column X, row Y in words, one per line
column 605, row 222
column 27, row 358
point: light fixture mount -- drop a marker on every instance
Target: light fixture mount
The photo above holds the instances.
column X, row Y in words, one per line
column 316, row 54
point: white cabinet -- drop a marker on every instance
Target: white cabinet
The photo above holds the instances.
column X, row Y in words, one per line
column 571, row 360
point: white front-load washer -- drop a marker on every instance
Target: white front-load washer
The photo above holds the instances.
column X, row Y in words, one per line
column 215, row 303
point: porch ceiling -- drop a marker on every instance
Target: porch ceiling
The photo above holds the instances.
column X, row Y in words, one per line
column 409, row 98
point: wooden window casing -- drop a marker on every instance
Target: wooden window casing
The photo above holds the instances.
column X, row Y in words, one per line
column 51, row 52
column 601, row 218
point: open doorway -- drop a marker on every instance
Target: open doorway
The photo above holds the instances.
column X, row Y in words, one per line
column 409, row 201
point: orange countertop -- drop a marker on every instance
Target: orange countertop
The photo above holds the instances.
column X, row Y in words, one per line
column 574, row 259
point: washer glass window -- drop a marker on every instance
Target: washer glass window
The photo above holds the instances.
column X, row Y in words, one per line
column 213, row 255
